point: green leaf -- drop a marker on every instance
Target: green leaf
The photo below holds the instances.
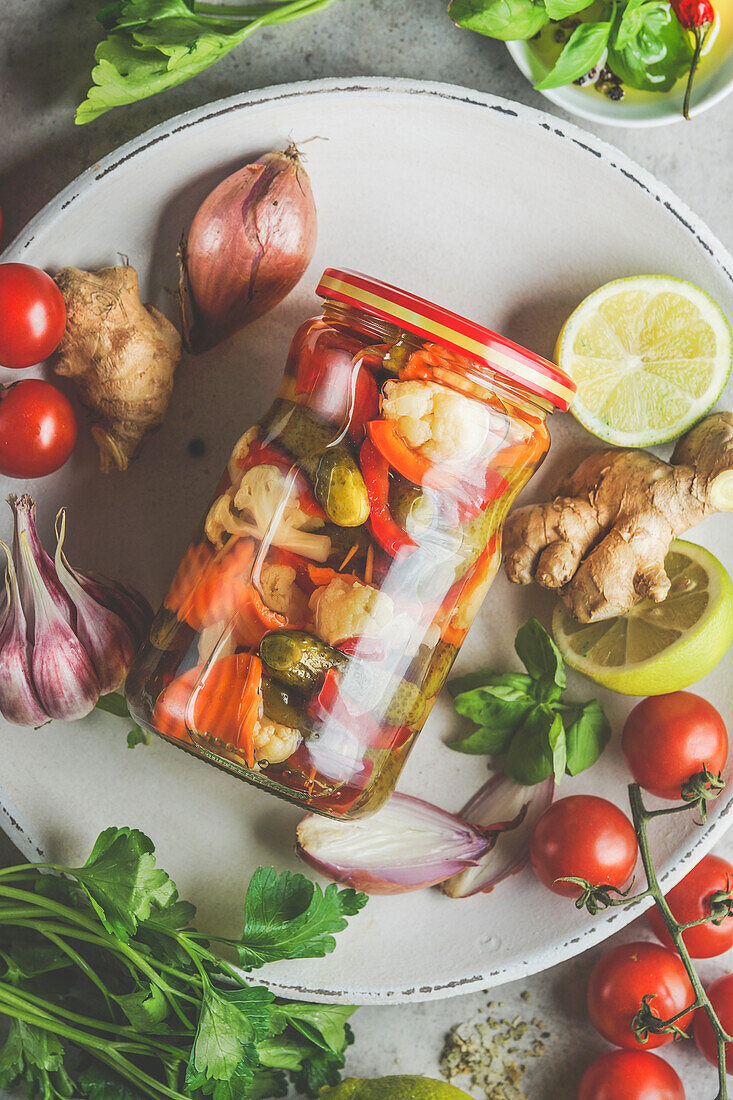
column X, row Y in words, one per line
column 97, row 1082
column 153, row 45
column 653, row 51
column 122, row 881
column 288, row 917
column 283, row 1053
column 323, row 1025
column 145, row 1008
column 485, row 677
column 587, row 732
column 556, row 739
column 503, row 19
column 484, row 741
column 582, row 51
column 137, row 736
column 530, row 758
column 265, row 1084
column 561, row 9
column 535, row 648
column 628, row 24
column 230, row 1025
column 495, row 705
column 114, row 703
column 11, row 1056
column 322, row 1068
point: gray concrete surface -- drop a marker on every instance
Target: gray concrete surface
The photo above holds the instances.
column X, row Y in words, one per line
column 45, row 56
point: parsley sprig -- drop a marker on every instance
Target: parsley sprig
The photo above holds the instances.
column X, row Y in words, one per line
column 524, row 718
column 153, row 45
column 112, row 995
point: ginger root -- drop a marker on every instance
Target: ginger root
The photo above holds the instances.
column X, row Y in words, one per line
column 122, row 356
column 602, row 541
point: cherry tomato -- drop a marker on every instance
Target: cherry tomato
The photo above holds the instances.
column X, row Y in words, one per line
column 689, row 900
column 583, row 837
column 720, row 993
column 32, row 315
column 630, row 1075
column 623, row 977
column 668, row 738
column 37, row 429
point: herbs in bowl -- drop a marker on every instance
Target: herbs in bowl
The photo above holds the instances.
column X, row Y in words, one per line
column 623, row 51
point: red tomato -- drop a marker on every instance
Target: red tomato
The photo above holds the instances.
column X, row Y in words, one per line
column 668, row 738
column 37, row 429
column 32, row 315
column 583, row 837
column 689, row 900
column 623, row 977
column 630, row 1075
column 720, row 993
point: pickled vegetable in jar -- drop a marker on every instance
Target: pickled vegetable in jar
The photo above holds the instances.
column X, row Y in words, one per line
column 316, row 615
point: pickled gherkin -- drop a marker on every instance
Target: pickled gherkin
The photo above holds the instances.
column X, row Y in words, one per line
column 299, row 660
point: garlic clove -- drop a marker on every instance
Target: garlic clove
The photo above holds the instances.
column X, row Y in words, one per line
column 108, row 641
column 19, row 702
column 63, row 675
column 24, row 511
column 125, row 601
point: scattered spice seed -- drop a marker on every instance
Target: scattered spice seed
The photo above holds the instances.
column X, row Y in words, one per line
column 493, row 1053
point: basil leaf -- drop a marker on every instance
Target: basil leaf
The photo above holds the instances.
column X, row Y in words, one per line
column 657, row 54
column 530, row 758
column 556, row 739
column 504, row 19
column 587, row 733
column 484, row 741
column 485, row 677
column 628, row 24
column 583, row 50
column 535, row 648
column 561, row 9
column 499, row 706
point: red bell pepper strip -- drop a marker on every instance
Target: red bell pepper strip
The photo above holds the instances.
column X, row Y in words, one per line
column 406, row 461
column 331, row 703
column 375, row 471
column 266, row 454
column 366, row 649
column 468, row 500
column 462, row 591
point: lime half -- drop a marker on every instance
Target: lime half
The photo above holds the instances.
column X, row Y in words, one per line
column 392, row 1088
column 650, row 356
column 657, row 647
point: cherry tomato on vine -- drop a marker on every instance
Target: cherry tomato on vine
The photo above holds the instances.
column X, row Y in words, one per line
column 630, row 1075
column 669, row 738
column 583, row 837
column 623, row 977
column 690, row 900
column 37, row 429
column 720, row 993
column 32, row 316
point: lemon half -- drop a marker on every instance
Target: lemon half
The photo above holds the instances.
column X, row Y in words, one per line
column 657, row 647
column 650, row 356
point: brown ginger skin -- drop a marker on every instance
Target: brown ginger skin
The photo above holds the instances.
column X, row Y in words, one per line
column 122, row 356
column 602, row 541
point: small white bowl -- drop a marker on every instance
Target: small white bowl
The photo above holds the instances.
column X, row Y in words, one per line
column 654, row 109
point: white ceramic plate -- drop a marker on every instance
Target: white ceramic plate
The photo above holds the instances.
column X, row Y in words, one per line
column 646, row 110
column 495, row 210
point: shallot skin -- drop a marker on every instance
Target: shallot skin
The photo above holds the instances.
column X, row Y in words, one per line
column 249, row 244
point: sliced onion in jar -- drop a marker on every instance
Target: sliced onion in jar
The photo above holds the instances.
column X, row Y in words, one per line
column 407, row 845
column 510, row 812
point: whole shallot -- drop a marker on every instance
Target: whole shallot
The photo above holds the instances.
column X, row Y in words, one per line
column 65, row 638
column 249, row 244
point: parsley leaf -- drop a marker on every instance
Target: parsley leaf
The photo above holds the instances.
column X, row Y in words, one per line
column 289, row 917
column 122, row 881
column 323, row 1025
column 153, row 45
column 97, row 1082
column 231, row 1023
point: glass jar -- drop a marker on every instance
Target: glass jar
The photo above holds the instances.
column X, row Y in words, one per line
column 349, row 546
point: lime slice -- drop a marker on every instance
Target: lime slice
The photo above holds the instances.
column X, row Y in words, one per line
column 657, row 647
column 650, row 356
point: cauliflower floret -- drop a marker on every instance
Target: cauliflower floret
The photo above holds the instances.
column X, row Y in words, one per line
column 273, row 742
column 240, row 452
column 435, row 421
column 350, row 610
column 281, row 593
column 249, row 508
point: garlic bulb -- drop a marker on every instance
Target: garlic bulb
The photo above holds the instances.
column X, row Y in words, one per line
column 65, row 638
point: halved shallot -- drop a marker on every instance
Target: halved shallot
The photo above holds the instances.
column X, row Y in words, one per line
column 407, row 845
column 511, row 812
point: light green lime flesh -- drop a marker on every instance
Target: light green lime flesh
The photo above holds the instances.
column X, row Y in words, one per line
column 392, row 1088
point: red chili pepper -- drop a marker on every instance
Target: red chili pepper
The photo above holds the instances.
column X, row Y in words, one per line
column 375, row 471
column 366, row 649
column 697, row 16
column 468, row 500
column 330, row 702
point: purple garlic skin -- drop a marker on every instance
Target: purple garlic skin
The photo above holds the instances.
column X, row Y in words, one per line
column 18, row 700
